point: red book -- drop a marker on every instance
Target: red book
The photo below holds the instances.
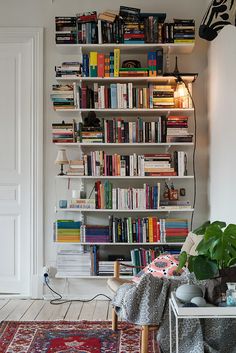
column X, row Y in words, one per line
column 106, row 97
column 101, row 65
column 84, row 96
column 154, row 225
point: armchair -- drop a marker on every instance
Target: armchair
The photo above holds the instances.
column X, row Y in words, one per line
column 115, row 282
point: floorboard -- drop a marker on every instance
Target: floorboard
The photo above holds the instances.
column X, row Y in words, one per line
column 33, row 310
column 74, row 311
column 7, row 309
column 42, row 310
column 101, row 309
column 87, row 311
column 22, row 307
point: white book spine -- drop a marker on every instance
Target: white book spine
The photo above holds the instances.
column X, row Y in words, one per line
column 130, row 95
column 125, row 95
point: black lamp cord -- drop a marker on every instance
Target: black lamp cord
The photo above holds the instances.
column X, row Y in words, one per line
column 60, row 300
column 179, row 78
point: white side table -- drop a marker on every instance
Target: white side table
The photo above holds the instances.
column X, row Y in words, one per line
column 194, row 313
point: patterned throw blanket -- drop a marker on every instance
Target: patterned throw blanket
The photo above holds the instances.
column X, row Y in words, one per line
column 146, row 303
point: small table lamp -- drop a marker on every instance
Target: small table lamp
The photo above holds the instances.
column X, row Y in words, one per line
column 61, row 159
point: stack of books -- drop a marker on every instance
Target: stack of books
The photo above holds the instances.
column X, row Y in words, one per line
column 83, row 203
column 87, row 32
column 69, row 70
column 158, row 164
column 66, row 30
column 63, row 97
column 174, row 204
column 134, row 72
column 173, row 230
column 108, row 197
column 177, row 129
column 161, row 96
column 134, row 32
column 76, row 167
column 95, row 234
column 90, row 134
column 184, row 31
column 63, row 132
column 106, row 268
column 67, row 231
column 73, row 260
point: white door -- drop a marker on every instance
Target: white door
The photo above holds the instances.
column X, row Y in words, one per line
column 16, row 160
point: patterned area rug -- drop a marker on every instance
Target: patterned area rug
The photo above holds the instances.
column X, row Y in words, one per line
column 71, row 337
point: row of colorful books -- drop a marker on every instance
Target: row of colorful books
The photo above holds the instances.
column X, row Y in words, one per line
column 122, row 230
column 128, row 26
column 109, row 65
column 137, row 230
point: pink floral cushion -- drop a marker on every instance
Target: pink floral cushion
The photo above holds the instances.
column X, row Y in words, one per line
column 163, row 266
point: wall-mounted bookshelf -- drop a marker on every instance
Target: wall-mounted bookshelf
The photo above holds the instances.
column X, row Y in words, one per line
column 143, row 84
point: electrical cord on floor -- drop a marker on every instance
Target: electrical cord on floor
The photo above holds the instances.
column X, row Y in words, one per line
column 60, row 300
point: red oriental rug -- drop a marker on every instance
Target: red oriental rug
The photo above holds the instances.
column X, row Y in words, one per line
column 71, row 337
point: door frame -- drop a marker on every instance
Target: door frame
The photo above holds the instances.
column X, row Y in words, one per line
column 34, row 37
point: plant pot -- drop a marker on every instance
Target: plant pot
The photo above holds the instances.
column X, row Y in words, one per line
column 216, row 287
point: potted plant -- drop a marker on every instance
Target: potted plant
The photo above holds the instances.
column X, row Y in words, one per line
column 216, row 256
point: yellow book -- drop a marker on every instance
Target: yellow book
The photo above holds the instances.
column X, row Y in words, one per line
column 150, row 230
column 93, row 58
column 116, row 62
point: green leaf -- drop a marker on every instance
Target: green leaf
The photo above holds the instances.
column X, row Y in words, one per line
column 182, row 260
column 204, row 268
column 201, row 230
column 213, row 231
column 219, row 223
column 230, row 229
column 191, row 260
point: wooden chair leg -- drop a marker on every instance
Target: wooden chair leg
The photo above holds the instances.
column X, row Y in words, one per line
column 114, row 320
column 144, row 339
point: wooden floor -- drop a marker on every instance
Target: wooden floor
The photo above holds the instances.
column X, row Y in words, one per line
column 42, row 310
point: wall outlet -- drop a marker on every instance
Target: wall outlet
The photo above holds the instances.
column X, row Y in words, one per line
column 46, row 272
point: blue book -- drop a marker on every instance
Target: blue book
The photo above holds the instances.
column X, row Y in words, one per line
column 159, row 57
column 85, row 70
column 113, row 88
column 111, row 64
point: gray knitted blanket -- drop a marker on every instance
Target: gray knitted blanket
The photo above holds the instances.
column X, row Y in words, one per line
column 146, row 303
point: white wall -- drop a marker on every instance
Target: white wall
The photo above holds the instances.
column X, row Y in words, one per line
column 42, row 13
column 222, row 59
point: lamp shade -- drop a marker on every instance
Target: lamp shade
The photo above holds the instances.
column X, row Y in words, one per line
column 61, row 157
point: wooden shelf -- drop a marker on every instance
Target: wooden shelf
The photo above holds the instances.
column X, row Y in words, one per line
column 122, row 211
column 161, row 79
column 115, row 145
column 170, row 48
column 122, row 244
column 129, row 111
column 124, row 177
